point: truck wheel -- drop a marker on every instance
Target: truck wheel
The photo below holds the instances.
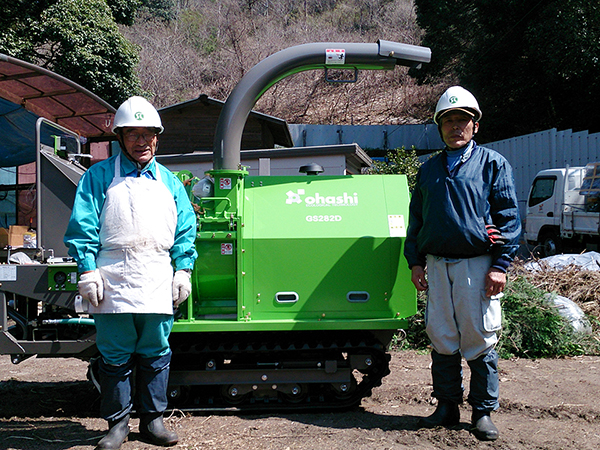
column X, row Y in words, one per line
column 551, row 244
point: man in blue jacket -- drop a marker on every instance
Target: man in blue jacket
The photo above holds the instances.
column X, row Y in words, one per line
column 132, row 232
column 463, row 233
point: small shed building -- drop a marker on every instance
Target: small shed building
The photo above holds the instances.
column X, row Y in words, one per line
column 345, row 159
column 190, row 127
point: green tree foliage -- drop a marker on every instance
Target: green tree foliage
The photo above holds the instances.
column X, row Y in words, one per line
column 159, row 9
column 532, row 64
column 399, row 161
column 78, row 39
column 124, row 11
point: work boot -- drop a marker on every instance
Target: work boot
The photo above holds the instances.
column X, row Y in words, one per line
column 445, row 415
column 482, row 426
column 117, row 433
column 153, row 429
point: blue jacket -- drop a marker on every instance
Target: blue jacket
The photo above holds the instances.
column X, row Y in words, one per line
column 449, row 211
column 82, row 236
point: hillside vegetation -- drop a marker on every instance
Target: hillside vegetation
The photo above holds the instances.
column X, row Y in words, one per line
column 208, row 46
column 533, row 65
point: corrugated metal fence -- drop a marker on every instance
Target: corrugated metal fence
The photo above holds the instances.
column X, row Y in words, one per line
column 548, row 149
column 385, row 137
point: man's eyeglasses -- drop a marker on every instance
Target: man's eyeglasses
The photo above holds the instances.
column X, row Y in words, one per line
column 133, row 137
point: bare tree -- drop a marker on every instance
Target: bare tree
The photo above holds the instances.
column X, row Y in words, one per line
column 211, row 45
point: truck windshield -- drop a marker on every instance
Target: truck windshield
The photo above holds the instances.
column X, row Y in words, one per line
column 542, row 190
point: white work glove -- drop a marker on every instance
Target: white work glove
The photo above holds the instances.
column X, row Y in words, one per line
column 182, row 287
column 91, row 287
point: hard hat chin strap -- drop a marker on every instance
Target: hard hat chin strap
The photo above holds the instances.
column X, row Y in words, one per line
column 122, row 145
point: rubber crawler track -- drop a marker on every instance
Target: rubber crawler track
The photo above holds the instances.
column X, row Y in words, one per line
column 276, row 371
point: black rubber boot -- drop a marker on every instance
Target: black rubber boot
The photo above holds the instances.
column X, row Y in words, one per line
column 482, row 426
column 445, row 415
column 117, row 433
column 153, row 429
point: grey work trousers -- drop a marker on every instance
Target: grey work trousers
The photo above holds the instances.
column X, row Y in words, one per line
column 461, row 321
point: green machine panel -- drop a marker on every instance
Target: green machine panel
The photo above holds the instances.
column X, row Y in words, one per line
column 214, row 282
column 62, row 277
column 326, row 248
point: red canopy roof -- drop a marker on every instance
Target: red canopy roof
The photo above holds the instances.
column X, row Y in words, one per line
column 54, row 97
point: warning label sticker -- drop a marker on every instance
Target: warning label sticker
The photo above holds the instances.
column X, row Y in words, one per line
column 227, row 248
column 224, row 183
column 396, row 224
column 335, row 56
column 8, row 273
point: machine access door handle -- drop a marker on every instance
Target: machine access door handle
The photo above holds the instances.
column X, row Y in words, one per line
column 286, row 297
column 550, row 214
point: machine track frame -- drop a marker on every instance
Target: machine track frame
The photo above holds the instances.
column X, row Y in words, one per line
column 277, row 371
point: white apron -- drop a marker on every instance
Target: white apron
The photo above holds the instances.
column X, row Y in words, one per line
column 137, row 231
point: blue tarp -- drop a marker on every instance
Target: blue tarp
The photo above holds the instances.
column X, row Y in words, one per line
column 17, row 134
column 28, row 92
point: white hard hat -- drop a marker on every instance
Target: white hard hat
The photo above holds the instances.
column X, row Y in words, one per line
column 137, row 112
column 457, row 98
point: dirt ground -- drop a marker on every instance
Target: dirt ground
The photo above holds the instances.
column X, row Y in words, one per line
column 545, row 404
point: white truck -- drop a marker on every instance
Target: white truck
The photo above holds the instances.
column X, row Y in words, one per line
column 563, row 210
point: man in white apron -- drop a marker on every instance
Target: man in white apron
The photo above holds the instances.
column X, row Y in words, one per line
column 132, row 224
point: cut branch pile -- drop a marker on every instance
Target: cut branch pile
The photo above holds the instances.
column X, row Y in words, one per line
column 572, row 282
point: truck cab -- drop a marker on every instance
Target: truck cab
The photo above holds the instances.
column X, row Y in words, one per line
column 554, row 199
